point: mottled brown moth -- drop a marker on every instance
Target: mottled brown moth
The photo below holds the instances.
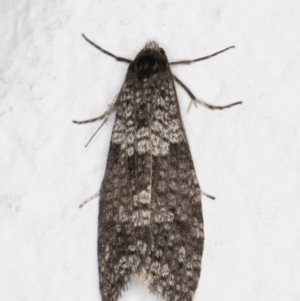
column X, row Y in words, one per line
column 150, row 217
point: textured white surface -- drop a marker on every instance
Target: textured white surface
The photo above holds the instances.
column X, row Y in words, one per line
column 248, row 156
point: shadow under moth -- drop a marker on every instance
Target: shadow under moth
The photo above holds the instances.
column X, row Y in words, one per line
column 150, row 218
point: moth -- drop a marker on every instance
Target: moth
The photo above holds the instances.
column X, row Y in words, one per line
column 150, row 218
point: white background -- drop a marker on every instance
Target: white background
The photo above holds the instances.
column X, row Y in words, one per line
column 248, row 157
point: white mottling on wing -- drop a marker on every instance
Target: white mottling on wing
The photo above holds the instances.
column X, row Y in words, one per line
column 130, row 151
column 143, row 197
column 142, row 246
column 163, row 217
column 181, row 255
column 123, row 217
column 141, row 218
column 130, row 138
column 143, row 146
column 143, row 133
column 161, row 101
column 165, row 270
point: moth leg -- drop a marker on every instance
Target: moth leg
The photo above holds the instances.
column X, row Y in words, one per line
column 121, row 59
column 104, row 116
column 188, row 62
column 195, row 100
column 207, row 195
column 96, row 132
column 89, row 120
column 90, row 199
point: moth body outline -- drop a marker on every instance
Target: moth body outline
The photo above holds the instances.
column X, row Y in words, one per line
column 150, row 217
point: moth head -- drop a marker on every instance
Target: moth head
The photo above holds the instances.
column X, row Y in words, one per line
column 151, row 45
column 150, row 61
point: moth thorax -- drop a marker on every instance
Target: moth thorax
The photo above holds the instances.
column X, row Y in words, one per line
column 149, row 63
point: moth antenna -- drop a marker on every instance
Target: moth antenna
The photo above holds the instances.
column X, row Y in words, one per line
column 188, row 62
column 118, row 58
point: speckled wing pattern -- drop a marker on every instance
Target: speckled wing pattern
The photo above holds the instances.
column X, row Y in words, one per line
column 150, row 218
